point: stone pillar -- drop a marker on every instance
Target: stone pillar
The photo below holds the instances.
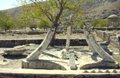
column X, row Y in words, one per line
column 72, row 64
column 68, row 37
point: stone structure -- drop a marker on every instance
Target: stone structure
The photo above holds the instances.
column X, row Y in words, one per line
column 118, row 39
column 68, row 37
column 33, row 61
column 47, row 64
column 104, row 35
column 97, row 48
column 113, row 39
column 15, row 51
column 106, row 40
column 114, row 20
column 36, row 53
column 72, row 58
column 108, row 60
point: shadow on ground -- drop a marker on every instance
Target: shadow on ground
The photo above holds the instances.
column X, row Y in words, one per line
column 14, row 56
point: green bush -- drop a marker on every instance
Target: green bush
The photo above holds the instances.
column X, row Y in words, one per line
column 6, row 21
column 100, row 23
column 6, row 25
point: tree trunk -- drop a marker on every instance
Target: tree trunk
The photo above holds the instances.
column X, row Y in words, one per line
column 52, row 43
column 45, row 43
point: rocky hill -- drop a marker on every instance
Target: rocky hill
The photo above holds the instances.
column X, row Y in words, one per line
column 103, row 8
column 95, row 8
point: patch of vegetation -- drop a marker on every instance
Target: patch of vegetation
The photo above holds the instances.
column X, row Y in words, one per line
column 100, row 23
column 6, row 21
column 44, row 24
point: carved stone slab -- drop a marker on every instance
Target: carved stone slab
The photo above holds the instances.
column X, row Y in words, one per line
column 36, row 53
column 72, row 64
column 41, row 64
column 97, row 48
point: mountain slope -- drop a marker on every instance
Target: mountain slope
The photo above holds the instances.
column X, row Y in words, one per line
column 95, row 9
column 105, row 8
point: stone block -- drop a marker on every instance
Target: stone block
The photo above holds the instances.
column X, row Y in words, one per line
column 41, row 64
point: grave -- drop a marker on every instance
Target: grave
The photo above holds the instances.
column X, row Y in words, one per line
column 101, row 49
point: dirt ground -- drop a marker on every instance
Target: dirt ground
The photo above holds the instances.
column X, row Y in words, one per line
column 83, row 52
column 13, row 61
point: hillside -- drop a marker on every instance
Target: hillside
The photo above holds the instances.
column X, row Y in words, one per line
column 14, row 11
column 104, row 8
column 94, row 9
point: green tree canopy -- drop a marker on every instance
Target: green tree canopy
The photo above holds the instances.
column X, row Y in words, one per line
column 6, row 21
column 56, row 12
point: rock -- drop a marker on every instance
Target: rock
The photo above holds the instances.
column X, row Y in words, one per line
column 100, row 71
column 107, row 71
column 93, row 71
column 15, row 51
column 1, row 58
column 21, row 46
column 86, row 71
column 114, row 71
column 1, row 52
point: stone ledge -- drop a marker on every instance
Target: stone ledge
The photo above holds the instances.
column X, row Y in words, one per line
column 30, row 73
column 41, row 64
column 101, row 65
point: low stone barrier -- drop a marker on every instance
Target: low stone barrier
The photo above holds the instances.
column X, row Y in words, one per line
column 30, row 73
column 58, row 42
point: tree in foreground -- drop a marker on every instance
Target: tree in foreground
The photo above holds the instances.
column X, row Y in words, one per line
column 55, row 13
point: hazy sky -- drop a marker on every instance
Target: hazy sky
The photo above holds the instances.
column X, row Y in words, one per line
column 7, row 4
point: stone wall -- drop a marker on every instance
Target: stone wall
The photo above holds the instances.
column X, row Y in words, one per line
column 59, row 76
column 58, row 42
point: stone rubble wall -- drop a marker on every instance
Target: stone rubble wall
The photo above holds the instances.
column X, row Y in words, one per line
column 58, row 42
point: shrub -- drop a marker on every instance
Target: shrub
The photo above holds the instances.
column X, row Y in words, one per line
column 100, row 23
column 6, row 21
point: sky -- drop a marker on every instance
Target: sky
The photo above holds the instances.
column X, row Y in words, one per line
column 7, row 4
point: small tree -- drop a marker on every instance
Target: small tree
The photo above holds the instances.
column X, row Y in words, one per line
column 25, row 19
column 6, row 21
